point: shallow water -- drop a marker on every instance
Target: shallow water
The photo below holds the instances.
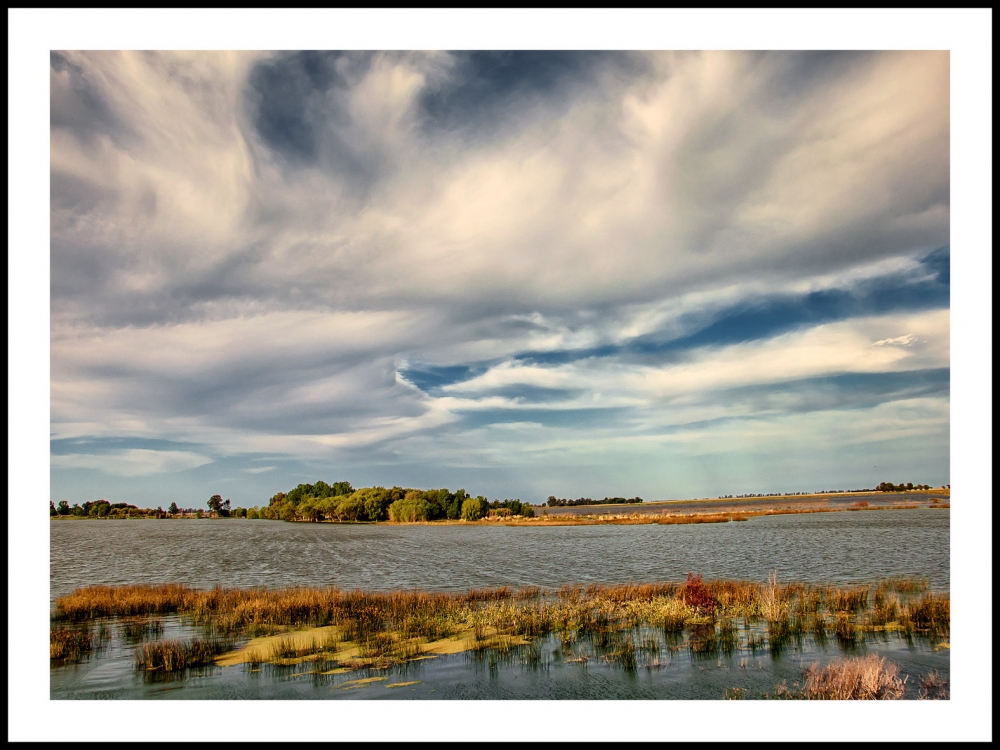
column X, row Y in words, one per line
column 675, row 672
column 821, row 548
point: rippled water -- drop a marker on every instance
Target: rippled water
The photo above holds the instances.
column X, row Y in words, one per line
column 818, row 547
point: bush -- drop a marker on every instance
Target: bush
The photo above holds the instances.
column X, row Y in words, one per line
column 696, row 595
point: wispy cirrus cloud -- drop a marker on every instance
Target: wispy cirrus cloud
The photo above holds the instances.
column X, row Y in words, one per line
column 133, row 462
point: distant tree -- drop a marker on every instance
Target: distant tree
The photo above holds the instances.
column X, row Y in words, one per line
column 342, row 488
column 410, row 509
column 52, row 509
column 63, row 508
column 473, row 509
column 215, row 503
column 172, row 509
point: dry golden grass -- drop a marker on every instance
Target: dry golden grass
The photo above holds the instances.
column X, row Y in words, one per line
column 859, row 678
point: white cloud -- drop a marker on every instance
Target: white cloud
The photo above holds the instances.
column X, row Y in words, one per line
column 905, row 340
column 133, row 462
column 260, row 469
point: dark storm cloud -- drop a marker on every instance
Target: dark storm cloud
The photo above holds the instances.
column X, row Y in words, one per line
column 492, row 89
column 296, row 102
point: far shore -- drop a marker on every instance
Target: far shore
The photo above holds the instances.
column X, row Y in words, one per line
column 663, row 512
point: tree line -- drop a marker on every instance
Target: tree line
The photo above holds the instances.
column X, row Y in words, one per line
column 561, row 502
column 103, row 509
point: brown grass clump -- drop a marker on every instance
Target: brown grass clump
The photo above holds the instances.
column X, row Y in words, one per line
column 932, row 613
column 70, row 643
column 860, row 678
column 175, row 656
column 92, row 602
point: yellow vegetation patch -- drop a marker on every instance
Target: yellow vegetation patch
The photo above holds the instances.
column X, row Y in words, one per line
column 261, row 649
column 403, row 684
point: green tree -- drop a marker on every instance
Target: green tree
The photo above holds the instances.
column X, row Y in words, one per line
column 215, row 503
column 172, row 509
column 473, row 509
column 410, row 509
column 52, row 509
column 350, row 508
column 63, row 508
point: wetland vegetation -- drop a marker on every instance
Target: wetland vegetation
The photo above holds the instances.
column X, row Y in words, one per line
column 328, row 631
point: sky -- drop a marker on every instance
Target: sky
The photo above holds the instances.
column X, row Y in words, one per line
column 664, row 274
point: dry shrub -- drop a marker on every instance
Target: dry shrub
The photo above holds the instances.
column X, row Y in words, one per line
column 860, row 678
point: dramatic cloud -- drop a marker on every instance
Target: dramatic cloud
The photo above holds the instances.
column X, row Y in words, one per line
column 526, row 272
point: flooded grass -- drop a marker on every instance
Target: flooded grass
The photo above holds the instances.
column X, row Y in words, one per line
column 294, row 632
column 70, row 644
column 177, row 655
column 139, row 630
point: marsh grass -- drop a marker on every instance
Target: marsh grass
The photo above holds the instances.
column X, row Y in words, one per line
column 381, row 628
column 71, row 644
column 177, row 655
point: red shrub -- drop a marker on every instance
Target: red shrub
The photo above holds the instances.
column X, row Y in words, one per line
column 696, row 595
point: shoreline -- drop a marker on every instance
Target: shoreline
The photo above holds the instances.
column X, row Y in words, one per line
column 651, row 513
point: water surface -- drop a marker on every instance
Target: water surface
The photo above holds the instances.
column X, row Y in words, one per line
column 818, row 547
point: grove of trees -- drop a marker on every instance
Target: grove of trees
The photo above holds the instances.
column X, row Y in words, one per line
column 341, row 502
column 561, row 502
column 890, row 487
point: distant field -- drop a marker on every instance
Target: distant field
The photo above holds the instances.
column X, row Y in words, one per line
column 839, row 500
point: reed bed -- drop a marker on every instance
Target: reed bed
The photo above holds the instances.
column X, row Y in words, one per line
column 390, row 627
